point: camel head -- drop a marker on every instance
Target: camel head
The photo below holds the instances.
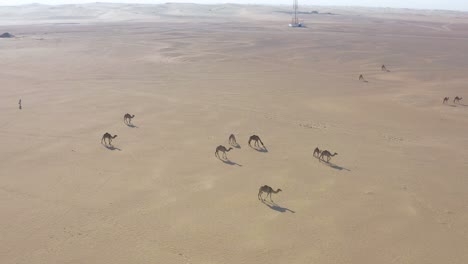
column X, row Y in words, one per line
column 229, row 149
column 114, row 136
column 132, row 116
column 279, row 190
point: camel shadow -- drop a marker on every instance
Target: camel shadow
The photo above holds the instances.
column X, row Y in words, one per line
column 273, row 206
column 264, row 149
column 111, row 147
column 334, row 166
column 451, row 105
column 236, row 145
column 132, row 126
column 228, row 162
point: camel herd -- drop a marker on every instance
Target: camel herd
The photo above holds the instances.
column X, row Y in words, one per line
column 455, row 100
column 383, row 68
column 321, row 155
column 255, row 142
column 107, row 136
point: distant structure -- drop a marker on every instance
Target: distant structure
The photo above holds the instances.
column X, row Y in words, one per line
column 295, row 19
column 6, row 35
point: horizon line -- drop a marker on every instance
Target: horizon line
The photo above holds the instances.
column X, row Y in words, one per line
column 240, row 4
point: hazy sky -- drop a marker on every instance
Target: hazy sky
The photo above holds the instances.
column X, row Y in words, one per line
column 419, row 4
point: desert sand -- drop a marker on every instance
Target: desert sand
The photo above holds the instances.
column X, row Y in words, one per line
column 192, row 75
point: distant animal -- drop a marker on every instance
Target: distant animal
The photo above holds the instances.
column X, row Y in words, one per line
column 232, row 140
column 128, row 118
column 222, row 149
column 19, row 104
column 326, row 154
column 317, row 152
column 361, row 78
column 457, row 99
column 266, row 189
column 384, row 68
column 256, row 139
column 109, row 138
column 445, row 100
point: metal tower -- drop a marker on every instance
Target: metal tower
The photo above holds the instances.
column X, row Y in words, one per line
column 295, row 19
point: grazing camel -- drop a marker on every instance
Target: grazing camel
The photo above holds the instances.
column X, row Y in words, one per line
column 327, row 154
column 267, row 189
column 109, row 138
column 232, row 140
column 384, row 68
column 361, row 78
column 222, row 149
column 128, row 118
column 256, row 139
column 445, row 100
column 457, row 99
column 317, row 152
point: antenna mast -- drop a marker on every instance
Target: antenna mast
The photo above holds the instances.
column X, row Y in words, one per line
column 295, row 7
column 295, row 19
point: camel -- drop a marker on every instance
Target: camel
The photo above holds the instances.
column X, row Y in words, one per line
column 19, row 104
column 327, row 154
column 256, row 139
column 232, row 140
column 267, row 189
column 223, row 149
column 445, row 100
column 457, row 99
column 384, row 68
column 109, row 138
column 361, row 78
column 317, row 152
column 128, row 118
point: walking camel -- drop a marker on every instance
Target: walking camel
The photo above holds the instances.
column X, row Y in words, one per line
column 327, row 154
column 233, row 141
column 19, row 104
column 256, row 139
column 457, row 99
column 109, row 138
column 128, row 118
column 222, row 149
column 317, row 152
column 384, row 68
column 267, row 189
column 445, row 100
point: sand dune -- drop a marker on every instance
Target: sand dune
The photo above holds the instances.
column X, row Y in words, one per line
column 192, row 75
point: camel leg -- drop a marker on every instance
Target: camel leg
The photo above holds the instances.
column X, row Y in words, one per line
column 224, row 155
column 259, row 196
column 216, row 154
